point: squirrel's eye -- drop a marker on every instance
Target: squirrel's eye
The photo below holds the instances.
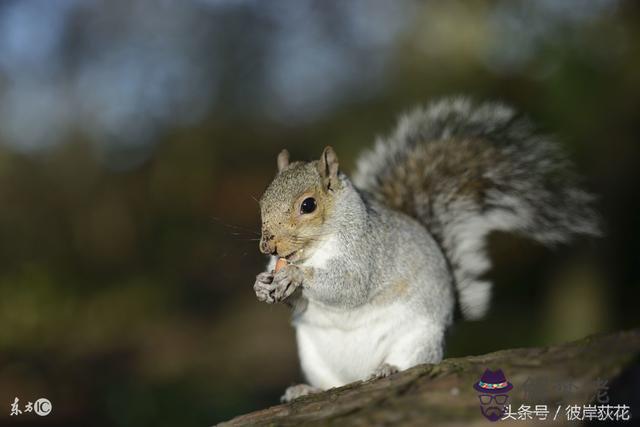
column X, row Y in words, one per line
column 308, row 205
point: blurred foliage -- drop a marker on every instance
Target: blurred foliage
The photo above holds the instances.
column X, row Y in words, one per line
column 125, row 285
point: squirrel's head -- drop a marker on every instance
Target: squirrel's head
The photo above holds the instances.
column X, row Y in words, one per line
column 297, row 205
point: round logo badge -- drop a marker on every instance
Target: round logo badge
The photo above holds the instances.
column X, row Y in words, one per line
column 42, row 407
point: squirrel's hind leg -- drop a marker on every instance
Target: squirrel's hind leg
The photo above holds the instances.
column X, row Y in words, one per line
column 298, row 390
column 383, row 371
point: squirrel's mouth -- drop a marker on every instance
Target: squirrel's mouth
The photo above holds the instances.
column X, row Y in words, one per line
column 294, row 256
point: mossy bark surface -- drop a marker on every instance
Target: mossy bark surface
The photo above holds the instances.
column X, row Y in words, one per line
column 588, row 371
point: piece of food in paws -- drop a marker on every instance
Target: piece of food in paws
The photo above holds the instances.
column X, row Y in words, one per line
column 280, row 263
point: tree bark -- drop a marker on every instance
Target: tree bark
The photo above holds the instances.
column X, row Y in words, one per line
column 601, row 369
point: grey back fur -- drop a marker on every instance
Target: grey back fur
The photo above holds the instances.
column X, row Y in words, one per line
column 464, row 170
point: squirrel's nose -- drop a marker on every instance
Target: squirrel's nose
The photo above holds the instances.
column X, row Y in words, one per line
column 267, row 246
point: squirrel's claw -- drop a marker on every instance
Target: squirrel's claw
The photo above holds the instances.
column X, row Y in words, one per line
column 286, row 281
column 264, row 287
column 384, row 371
column 299, row 390
column 272, row 288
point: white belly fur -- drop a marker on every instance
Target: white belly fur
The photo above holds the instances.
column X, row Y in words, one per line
column 339, row 347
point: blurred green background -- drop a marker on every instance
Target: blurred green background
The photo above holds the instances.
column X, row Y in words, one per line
column 136, row 136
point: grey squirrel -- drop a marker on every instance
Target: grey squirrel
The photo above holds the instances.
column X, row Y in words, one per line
column 376, row 263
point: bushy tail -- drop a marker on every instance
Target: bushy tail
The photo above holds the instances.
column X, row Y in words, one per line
column 465, row 170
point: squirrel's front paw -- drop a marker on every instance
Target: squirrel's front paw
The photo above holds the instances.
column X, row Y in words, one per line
column 264, row 287
column 286, row 281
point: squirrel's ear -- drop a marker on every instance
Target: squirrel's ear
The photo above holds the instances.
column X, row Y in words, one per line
column 328, row 168
column 283, row 160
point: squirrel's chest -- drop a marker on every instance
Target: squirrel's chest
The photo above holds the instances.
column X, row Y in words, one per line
column 337, row 348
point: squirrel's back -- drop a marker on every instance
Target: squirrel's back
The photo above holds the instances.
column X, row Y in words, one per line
column 464, row 170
